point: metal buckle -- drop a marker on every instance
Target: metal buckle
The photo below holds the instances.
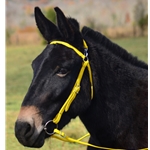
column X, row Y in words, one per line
column 45, row 127
column 86, row 54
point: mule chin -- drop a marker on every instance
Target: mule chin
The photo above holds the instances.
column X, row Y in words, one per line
column 39, row 142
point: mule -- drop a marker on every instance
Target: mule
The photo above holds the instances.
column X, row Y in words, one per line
column 116, row 116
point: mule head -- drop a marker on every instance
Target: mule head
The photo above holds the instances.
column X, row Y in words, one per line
column 55, row 72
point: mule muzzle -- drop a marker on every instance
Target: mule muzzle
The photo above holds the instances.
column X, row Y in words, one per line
column 28, row 135
column 28, row 127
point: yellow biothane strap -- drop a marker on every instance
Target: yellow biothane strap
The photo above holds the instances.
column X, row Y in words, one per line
column 70, row 46
column 72, row 95
column 76, row 87
column 63, row 137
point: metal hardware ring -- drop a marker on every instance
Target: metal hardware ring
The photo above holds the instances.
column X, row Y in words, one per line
column 45, row 127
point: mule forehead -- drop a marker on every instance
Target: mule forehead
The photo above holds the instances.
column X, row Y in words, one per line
column 57, row 54
column 44, row 54
column 45, row 81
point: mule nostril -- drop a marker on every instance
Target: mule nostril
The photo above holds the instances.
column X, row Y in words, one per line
column 23, row 129
column 28, row 130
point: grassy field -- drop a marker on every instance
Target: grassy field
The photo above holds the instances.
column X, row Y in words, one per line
column 18, row 78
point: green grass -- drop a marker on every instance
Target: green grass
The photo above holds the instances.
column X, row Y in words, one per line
column 18, row 78
column 136, row 46
column 19, row 73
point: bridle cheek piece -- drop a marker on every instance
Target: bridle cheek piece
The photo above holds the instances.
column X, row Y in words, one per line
column 76, row 87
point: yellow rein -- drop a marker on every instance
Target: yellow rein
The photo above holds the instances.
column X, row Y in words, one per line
column 57, row 133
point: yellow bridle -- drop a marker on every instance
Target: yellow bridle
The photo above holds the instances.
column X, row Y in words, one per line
column 76, row 87
column 72, row 96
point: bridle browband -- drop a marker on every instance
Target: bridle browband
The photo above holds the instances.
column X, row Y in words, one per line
column 72, row 96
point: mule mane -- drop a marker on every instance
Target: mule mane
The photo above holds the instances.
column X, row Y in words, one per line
column 99, row 39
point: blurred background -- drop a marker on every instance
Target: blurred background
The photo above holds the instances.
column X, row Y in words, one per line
column 125, row 22
column 114, row 18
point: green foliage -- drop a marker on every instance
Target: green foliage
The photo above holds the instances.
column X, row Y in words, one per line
column 50, row 14
column 141, row 16
column 143, row 22
column 9, row 32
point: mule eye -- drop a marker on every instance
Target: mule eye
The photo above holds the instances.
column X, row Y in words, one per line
column 62, row 72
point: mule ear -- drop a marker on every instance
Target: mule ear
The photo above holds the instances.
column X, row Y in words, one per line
column 63, row 24
column 46, row 27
